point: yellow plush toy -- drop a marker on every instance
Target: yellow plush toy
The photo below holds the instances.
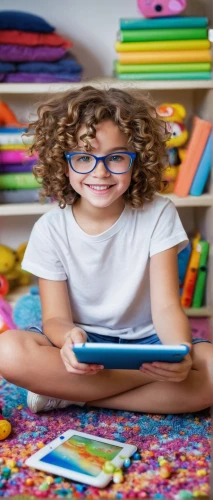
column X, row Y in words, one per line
column 10, row 266
column 174, row 115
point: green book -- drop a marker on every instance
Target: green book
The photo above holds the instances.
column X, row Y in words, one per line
column 162, row 67
column 193, row 75
column 202, row 275
column 18, row 181
column 162, row 34
column 163, row 22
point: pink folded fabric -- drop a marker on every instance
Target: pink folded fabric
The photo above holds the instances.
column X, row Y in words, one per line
column 10, row 157
column 18, row 53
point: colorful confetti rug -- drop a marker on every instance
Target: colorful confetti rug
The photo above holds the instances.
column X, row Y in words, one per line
column 182, row 442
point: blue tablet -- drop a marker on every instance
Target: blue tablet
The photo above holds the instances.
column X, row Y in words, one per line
column 128, row 356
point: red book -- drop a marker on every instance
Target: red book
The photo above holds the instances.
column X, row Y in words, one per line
column 199, row 136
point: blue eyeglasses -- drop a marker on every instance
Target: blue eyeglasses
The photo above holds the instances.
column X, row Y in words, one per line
column 116, row 163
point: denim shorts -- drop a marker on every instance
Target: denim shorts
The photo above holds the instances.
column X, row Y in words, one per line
column 94, row 337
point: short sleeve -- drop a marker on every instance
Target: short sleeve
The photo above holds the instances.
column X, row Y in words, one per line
column 41, row 258
column 168, row 231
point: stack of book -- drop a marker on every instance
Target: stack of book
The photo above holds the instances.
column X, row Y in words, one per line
column 173, row 48
column 17, row 182
column 192, row 271
column 196, row 166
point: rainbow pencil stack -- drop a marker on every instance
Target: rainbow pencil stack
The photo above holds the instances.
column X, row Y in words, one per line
column 169, row 48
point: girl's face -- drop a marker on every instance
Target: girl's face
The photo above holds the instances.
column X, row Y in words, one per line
column 109, row 139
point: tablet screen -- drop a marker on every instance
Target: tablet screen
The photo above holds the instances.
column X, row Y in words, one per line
column 83, row 455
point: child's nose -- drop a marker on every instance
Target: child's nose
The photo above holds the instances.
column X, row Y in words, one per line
column 101, row 170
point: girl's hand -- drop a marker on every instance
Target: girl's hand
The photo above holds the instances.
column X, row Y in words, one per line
column 169, row 372
column 76, row 335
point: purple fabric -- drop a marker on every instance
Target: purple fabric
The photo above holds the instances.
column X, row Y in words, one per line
column 67, row 64
column 9, row 157
column 17, row 167
column 2, row 76
column 41, row 77
column 19, row 53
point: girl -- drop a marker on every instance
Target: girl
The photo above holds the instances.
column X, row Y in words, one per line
column 106, row 259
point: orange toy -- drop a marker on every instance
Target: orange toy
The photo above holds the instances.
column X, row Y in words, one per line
column 7, row 117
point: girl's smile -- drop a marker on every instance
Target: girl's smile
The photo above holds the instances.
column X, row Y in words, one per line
column 100, row 189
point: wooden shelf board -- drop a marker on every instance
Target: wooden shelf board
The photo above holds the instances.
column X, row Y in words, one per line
column 202, row 311
column 205, row 200
column 43, row 88
column 25, row 208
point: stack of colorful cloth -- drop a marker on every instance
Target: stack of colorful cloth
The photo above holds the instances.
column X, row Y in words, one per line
column 17, row 182
column 169, row 48
column 31, row 51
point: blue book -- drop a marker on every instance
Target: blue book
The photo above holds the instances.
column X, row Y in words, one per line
column 203, row 169
column 181, row 75
column 183, row 260
column 12, row 130
column 163, row 22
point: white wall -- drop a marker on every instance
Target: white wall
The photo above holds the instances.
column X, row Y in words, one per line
column 91, row 24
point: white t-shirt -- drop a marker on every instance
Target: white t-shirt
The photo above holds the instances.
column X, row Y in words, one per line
column 108, row 273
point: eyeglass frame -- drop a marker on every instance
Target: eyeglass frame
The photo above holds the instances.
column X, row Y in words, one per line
column 132, row 156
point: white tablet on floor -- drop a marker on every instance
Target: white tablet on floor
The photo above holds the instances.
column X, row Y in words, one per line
column 81, row 457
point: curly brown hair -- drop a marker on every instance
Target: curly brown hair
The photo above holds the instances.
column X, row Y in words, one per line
column 59, row 119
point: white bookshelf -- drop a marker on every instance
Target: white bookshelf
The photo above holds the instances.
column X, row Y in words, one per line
column 196, row 211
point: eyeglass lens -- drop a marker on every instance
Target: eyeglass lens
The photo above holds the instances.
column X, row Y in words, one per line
column 117, row 163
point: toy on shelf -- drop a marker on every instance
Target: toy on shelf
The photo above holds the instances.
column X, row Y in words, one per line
column 27, row 310
column 174, row 115
column 11, row 274
column 161, row 8
column 5, row 427
column 7, row 116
